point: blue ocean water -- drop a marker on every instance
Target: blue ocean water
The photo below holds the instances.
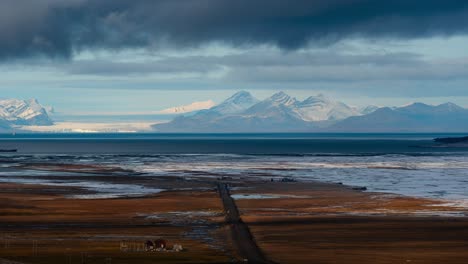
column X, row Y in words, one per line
column 278, row 144
column 408, row 164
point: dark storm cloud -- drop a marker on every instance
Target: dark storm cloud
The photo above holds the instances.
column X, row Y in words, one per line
column 250, row 61
column 55, row 28
column 270, row 66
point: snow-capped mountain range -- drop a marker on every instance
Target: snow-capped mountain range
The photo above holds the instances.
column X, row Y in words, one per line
column 23, row 113
column 282, row 113
column 278, row 113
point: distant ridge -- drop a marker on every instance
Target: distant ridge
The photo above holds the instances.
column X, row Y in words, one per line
column 417, row 117
column 282, row 113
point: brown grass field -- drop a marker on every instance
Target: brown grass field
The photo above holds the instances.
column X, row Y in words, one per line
column 90, row 231
column 303, row 223
column 328, row 223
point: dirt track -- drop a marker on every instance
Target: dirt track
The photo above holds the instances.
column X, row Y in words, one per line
column 242, row 238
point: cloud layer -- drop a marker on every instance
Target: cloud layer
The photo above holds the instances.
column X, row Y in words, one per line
column 57, row 28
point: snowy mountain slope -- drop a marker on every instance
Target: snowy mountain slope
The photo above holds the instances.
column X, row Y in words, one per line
column 23, row 112
column 368, row 109
column 237, row 103
column 279, row 104
column 279, row 112
column 321, row 108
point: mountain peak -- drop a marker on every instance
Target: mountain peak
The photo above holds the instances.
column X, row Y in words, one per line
column 415, row 104
column 321, row 108
column 236, row 103
column 282, row 98
column 450, row 106
column 279, row 94
column 240, row 96
column 23, row 112
column 316, row 99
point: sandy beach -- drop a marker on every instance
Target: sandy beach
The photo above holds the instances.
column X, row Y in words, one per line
column 291, row 222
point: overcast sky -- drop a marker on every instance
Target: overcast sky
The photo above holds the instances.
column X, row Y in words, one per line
column 124, row 56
